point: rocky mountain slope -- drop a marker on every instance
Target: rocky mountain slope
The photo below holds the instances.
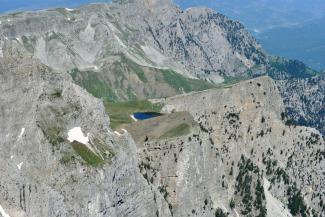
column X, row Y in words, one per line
column 197, row 42
column 42, row 173
column 146, row 49
column 232, row 150
column 304, row 100
column 239, row 139
column 244, row 154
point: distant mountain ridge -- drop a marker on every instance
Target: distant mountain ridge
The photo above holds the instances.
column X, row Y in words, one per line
column 293, row 29
column 146, row 49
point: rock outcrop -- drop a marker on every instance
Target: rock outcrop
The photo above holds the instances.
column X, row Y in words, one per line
column 196, row 42
column 242, row 154
column 42, row 173
column 304, row 100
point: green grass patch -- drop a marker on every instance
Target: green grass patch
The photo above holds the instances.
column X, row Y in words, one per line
column 134, row 67
column 119, row 112
column 86, row 154
column 180, row 82
column 230, row 81
column 93, row 84
column 180, row 130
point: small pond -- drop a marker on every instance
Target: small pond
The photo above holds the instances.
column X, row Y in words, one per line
column 145, row 115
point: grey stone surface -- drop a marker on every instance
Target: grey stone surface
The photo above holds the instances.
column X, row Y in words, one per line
column 241, row 145
column 38, row 107
column 197, row 42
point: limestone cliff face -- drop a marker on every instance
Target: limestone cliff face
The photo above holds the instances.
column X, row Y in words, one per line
column 197, row 42
column 240, row 158
column 41, row 172
column 242, row 142
column 304, row 100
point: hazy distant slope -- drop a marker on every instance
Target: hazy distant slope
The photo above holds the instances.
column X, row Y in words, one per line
column 304, row 42
column 263, row 14
column 293, row 29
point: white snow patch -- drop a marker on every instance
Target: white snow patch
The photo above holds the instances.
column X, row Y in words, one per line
column 18, row 39
column 11, row 157
column 95, row 67
column 117, row 133
column 69, row 18
column 21, row 133
column 3, row 213
column 273, row 205
column 20, row 165
column 0, row 22
column 132, row 116
column 69, row 9
column 8, row 20
column 124, row 130
column 76, row 134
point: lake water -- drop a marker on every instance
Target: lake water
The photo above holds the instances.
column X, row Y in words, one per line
column 145, row 115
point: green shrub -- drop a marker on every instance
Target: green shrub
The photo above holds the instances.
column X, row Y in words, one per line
column 86, row 154
column 232, row 204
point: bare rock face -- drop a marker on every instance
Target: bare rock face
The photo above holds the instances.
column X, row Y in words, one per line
column 42, row 173
column 240, row 158
column 197, row 42
column 304, row 100
column 241, row 142
column 59, row 156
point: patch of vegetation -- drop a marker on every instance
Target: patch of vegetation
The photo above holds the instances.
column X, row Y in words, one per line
column 93, row 84
column 296, row 202
column 232, row 204
column 106, row 151
column 53, row 135
column 119, row 112
column 291, row 68
column 29, row 43
column 259, row 198
column 288, row 120
column 134, row 67
column 57, row 93
column 244, row 187
column 180, row 130
column 180, row 82
column 219, row 213
column 86, row 154
column 230, row 81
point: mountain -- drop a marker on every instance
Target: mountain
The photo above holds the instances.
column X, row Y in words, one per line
column 223, row 138
column 292, row 29
column 232, row 145
column 145, row 35
column 42, row 173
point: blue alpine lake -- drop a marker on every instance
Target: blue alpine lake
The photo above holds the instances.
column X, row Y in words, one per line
column 145, row 115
